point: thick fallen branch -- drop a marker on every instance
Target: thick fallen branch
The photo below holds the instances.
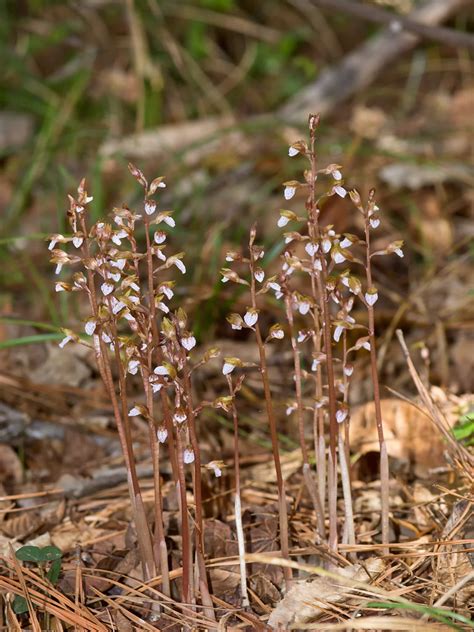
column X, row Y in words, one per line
column 398, row 22
column 359, row 69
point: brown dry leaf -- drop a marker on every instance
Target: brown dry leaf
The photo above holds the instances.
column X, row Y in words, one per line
column 218, row 539
column 462, row 107
column 224, row 580
column 410, row 435
column 22, row 525
column 435, row 229
column 265, row 472
column 305, row 601
column 11, row 470
column 368, row 122
column 452, row 568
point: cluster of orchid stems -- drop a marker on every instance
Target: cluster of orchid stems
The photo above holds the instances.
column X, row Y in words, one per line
column 136, row 335
column 322, row 330
column 133, row 332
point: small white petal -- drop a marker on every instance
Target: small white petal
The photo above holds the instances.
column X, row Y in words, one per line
column 289, row 192
column 371, row 299
column 59, row 288
column 259, row 275
column 326, row 245
column 315, row 364
column 78, row 241
column 345, row 243
column 107, row 288
column 341, row 414
column 179, row 417
column 311, row 248
column 366, row 345
column 52, row 244
column 162, row 434
column 399, row 252
column 374, row 222
column 340, row 191
column 292, row 151
column 167, row 291
column 250, row 318
column 318, row 265
column 227, row 368
column 156, row 388
column 282, row 221
column 160, row 237
column 90, row 327
column 117, row 305
column 58, row 269
column 170, row 221
column 180, row 265
column 303, row 307
column 274, row 286
column 348, row 370
column 336, row 174
column 106, row 338
column 188, row 456
column 64, row 341
column 150, row 207
column 133, row 412
column 279, row 334
column 120, row 263
column 338, row 333
column 339, row 257
column 132, row 367
column 161, row 370
column 188, row 342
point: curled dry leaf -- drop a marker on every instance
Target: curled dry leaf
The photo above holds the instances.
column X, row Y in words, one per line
column 410, row 435
column 305, row 601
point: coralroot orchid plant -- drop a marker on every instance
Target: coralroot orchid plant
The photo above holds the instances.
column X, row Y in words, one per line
column 134, row 332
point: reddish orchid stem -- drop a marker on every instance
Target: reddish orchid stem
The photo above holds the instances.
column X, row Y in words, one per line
column 161, row 550
column 282, row 508
column 326, row 326
column 384, row 465
column 197, row 484
column 238, row 501
column 300, row 416
column 123, row 428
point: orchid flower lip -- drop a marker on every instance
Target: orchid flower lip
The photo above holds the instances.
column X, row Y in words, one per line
column 289, row 192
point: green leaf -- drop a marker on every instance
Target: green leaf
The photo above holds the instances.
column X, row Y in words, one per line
column 50, row 554
column 29, row 554
column 20, row 605
column 29, row 340
column 54, row 571
column 439, row 614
